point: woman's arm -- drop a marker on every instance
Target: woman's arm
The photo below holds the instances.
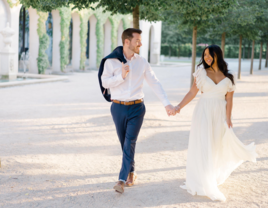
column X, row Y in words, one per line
column 188, row 97
column 229, row 106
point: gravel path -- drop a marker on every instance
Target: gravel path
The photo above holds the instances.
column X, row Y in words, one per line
column 59, row 148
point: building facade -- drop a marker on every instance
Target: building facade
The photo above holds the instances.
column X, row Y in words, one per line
column 65, row 37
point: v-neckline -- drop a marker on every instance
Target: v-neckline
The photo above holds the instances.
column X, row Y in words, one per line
column 212, row 80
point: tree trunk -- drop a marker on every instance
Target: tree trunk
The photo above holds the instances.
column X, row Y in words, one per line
column 260, row 57
column 136, row 17
column 240, row 53
column 169, row 51
column 223, row 43
column 193, row 53
column 178, row 51
column 252, row 57
column 266, row 55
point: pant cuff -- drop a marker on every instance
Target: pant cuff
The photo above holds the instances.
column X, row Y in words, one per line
column 122, row 180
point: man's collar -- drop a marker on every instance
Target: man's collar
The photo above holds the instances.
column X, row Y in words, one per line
column 135, row 56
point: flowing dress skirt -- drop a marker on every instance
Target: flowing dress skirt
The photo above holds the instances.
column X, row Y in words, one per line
column 214, row 151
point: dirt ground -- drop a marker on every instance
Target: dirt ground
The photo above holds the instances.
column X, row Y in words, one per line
column 59, row 148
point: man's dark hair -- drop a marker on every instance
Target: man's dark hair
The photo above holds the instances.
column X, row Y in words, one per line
column 128, row 34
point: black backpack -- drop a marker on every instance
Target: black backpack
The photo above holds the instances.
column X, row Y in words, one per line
column 118, row 54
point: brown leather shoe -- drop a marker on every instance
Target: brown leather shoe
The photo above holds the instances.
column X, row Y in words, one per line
column 131, row 179
column 119, row 187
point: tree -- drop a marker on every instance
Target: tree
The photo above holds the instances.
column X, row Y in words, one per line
column 197, row 16
column 240, row 21
column 173, row 35
column 140, row 9
column 262, row 26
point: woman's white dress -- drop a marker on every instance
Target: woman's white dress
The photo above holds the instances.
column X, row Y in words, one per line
column 214, row 151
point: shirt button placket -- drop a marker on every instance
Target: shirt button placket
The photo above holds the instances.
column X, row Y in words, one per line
column 130, row 79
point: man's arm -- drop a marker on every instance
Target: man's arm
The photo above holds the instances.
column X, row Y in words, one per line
column 154, row 83
column 109, row 80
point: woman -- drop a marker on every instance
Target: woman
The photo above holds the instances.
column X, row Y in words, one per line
column 214, row 151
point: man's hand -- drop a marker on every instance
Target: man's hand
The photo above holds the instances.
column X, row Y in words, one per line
column 125, row 70
column 170, row 110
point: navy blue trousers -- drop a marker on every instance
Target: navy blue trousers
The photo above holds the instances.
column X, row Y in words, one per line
column 128, row 121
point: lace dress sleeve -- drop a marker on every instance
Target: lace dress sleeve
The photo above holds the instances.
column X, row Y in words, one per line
column 200, row 78
column 232, row 87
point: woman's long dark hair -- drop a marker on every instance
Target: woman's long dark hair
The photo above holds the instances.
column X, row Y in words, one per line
column 215, row 50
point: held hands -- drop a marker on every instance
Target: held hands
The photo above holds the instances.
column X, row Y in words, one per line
column 177, row 109
column 125, row 70
column 171, row 110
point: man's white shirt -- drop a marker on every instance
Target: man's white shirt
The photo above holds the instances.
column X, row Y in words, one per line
column 130, row 88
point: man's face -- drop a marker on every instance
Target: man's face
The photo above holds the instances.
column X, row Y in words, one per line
column 135, row 43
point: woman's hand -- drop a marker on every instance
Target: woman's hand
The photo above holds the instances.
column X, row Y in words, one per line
column 229, row 123
column 177, row 109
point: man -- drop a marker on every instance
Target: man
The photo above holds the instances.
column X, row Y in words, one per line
column 125, row 82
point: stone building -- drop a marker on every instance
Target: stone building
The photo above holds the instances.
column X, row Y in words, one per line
column 69, row 38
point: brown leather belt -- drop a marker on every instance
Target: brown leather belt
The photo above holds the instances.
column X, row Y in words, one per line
column 128, row 102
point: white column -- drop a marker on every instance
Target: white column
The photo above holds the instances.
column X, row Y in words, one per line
column 56, row 41
column 155, row 42
column 107, row 38
column 14, row 24
column 33, row 41
column 7, row 54
column 119, row 33
column 145, row 27
column 76, row 51
column 4, row 18
column 92, row 42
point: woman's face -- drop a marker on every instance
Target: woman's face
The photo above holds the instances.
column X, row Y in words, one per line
column 207, row 57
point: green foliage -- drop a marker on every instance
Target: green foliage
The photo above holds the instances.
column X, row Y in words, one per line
column 101, row 17
column 46, row 5
column 84, row 16
column 149, row 9
column 65, row 14
column 100, row 37
column 11, row 4
column 231, row 51
column 173, row 35
column 125, row 24
column 241, row 20
column 42, row 60
column 114, row 34
column 188, row 14
column 247, row 18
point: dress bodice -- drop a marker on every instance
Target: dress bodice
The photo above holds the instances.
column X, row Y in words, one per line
column 209, row 89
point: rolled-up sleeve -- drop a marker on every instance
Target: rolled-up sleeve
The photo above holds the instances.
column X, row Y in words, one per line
column 154, row 83
column 109, row 80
